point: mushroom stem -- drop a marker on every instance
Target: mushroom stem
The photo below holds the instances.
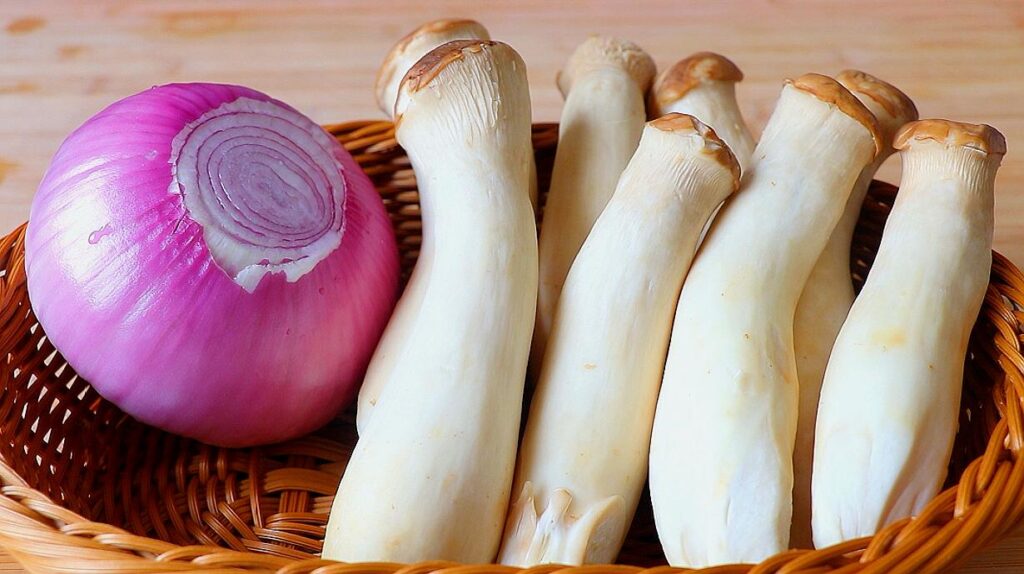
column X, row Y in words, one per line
column 890, row 401
column 604, row 84
column 827, row 297
column 430, row 476
column 704, row 85
column 578, row 484
column 721, row 459
column 403, row 56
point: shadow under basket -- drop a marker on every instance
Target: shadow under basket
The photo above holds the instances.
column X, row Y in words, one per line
column 87, row 488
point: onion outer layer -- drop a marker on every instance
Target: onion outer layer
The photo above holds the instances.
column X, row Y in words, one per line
column 213, row 262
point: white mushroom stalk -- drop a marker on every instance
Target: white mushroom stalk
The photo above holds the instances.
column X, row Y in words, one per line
column 827, row 297
column 402, row 56
column 604, row 84
column 431, row 473
column 578, row 483
column 890, row 402
column 704, row 85
column 414, row 46
column 721, row 470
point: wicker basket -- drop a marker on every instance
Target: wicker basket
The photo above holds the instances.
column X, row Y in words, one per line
column 86, row 488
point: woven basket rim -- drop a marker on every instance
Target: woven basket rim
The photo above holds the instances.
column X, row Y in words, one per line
column 983, row 507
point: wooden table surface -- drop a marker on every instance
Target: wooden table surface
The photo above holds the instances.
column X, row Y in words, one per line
column 61, row 62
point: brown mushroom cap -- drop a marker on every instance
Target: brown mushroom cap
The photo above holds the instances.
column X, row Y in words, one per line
column 437, row 60
column 893, row 101
column 979, row 137
column 429, row 66
column 433, row 34
column 444, row 26
column 832, row 92
column 891, row 107
column 713, row 145
column 605, row 52
column 688, row 73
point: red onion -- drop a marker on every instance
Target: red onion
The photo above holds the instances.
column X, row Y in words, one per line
column 213, row 262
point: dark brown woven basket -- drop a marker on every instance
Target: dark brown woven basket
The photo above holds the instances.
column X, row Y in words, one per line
column 87, row 489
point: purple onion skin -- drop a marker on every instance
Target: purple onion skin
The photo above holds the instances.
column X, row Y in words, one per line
column 125, row 286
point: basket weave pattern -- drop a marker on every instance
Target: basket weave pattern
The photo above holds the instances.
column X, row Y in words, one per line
column 83, row 487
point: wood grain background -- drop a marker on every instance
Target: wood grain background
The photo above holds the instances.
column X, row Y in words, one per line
column 61, row 62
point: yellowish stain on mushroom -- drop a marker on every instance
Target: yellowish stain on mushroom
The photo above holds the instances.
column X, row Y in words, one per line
column 199, row 24
column 6, row 167
column 589, row 366
column 889, row 338
column 25, row 25
column 19, row 88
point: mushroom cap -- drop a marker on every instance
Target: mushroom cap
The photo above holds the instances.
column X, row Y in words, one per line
column 690, row 72
column 685, row 124
column 430, row 65
column 979, row 137
column 414, row 45
column 434, row 62
column 832, row 92
column 894, row 108
column 606, row 52
column 894, row 101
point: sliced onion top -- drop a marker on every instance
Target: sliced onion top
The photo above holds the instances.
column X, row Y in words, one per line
column 263, row 182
